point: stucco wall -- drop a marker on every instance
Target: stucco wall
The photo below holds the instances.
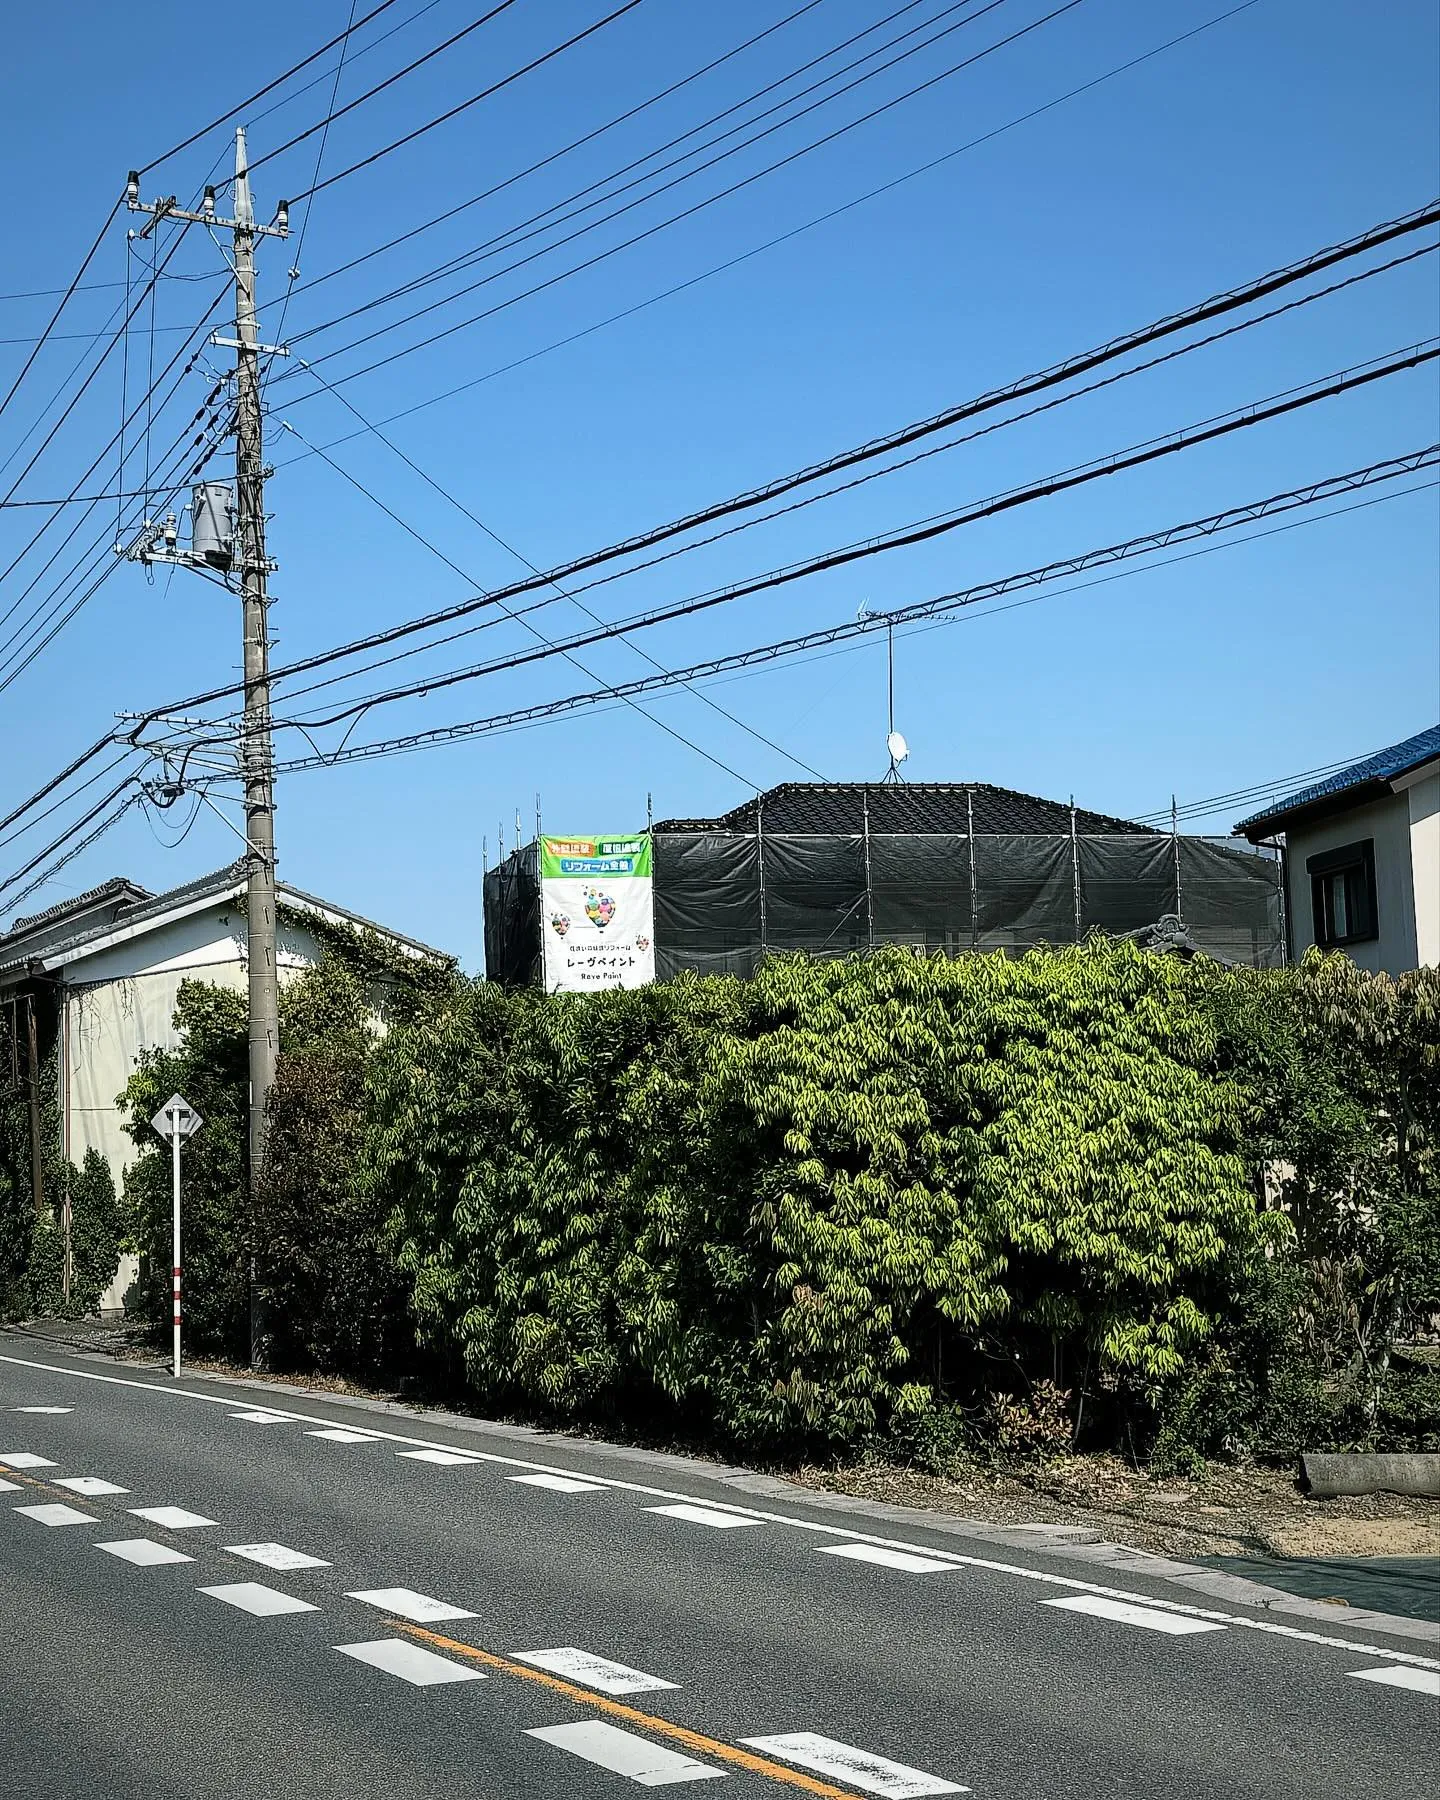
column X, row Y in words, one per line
column 1387, row 822
column 1423, row 798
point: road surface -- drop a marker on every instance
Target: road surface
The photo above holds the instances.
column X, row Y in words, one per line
column 210, row 1597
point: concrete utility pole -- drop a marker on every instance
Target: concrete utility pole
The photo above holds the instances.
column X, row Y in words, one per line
column 252, row 565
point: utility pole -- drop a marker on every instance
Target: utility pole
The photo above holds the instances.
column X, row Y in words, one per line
column 249, row 561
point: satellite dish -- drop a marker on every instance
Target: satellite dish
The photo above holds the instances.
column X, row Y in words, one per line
column 897, row 747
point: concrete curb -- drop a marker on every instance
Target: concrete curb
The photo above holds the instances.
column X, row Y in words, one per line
column 1075, row 1543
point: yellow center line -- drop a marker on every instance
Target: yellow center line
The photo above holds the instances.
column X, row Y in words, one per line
column 748, row 1760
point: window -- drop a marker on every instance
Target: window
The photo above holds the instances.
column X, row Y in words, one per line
column 1342, row 894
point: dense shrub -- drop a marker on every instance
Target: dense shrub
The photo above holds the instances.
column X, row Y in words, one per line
column 802, row 1210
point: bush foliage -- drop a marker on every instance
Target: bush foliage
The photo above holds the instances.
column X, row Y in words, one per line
column 928, row 1207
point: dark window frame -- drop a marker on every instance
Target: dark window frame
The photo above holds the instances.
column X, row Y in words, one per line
column 1357, row 863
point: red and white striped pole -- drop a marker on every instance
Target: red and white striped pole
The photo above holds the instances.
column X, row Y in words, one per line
column 175, row 1227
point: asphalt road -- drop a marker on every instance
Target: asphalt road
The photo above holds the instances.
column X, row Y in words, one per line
column 345, row 1607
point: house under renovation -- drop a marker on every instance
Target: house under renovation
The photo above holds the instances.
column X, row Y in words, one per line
column 835, row 869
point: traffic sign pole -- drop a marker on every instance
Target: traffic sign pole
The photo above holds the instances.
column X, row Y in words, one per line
column 176, row 1120
column 175, row 1231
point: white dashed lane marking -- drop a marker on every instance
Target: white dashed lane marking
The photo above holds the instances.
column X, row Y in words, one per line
column 410, row 1605
column 25, row 1459
column 702, row 1515
column 447, row 1458
column 559, row 1484
column 338, row 1434
column 887, row 1559
column 42, row 1409
column 176, row 1518
column 1419, row 1681
column 265, row 1418
column 594, row 1671
column 88, row 1484
column 145, row 1553
column 1123, row 1612
column 254, row 1597
column 277, row 1556
column 871, row 1774
column 646, row 1764
column 57, row 1515
column 421, row 1668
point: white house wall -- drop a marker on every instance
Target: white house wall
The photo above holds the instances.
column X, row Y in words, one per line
column 1387, row 822
column 1424, row 803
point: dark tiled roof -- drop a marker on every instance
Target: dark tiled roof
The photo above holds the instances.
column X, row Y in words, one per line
column 19, row 947
column 116, row 888
column 1362, row 781
column 910, row 808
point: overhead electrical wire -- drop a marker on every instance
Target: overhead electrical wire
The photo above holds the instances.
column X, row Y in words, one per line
column 510, row 550
column 65, row 301
column 806, row 500
column 544, row 221
column 826, row 637
column 260, row 93
column 658, row 226
column 474, row 100
column 794, row 231
column 369, row 256
column 1037, row 382
column 1243, row 419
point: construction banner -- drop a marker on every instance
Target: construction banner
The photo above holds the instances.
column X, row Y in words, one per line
column 597, row 913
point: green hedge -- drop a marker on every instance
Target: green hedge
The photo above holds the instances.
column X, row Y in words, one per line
column 803, row 1210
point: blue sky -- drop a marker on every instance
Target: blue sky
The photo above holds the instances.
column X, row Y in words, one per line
column 1286, row 126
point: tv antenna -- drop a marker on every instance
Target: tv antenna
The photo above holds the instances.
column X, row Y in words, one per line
column 894, row 740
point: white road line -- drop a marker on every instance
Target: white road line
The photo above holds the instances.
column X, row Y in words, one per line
column 887, row 1559
column 57, row 1515
column 266, row 1418
column 703, row 1515
column 871, row 1774
column 594, row 1671
column 446, row 1458
column 991, row 1565
column 145, row 1553
column 25, row 1459
column 421, row 1668
column 1419, row 1681
column 41, row 1409
column 175, row 1517
column 646, row 1764
column 410, row 1605
column 277, row 1556
column 1149, row 1618
column 254, row 1597
column 91, row 1485
column 559, row 1484
column 11, row 1487
column 337, row 1434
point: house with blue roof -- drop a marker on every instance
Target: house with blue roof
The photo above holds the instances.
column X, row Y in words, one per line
column 1362, row 857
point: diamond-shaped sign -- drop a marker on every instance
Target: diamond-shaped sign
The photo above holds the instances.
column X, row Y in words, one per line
column 177, row 1117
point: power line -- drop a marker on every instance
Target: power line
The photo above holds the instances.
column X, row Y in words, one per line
column 794, row 231
column 825, row 638
column 1200, row 313
column 479, row 523
column 824, row 493
column 269, row 88
column 543, row 221
column 65, row 301
column 555, row 155
column 484, row 94
column 660, row 225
